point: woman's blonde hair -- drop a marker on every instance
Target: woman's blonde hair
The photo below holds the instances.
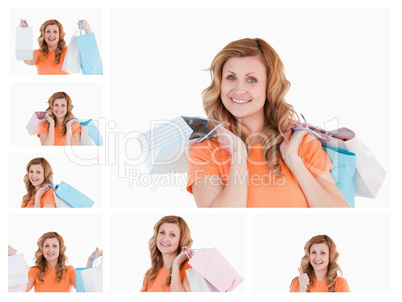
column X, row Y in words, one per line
column 279, row 115
column 48, row 178
column 40, row 261
column 156, row 255
column 69, row 115
column 333, row 269
column 43, row 45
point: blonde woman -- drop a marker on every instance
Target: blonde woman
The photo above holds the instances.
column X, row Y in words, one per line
column 49, row 58
column 319, row 270
column 256, row 160
column 51, row 272
column 167, row 249
column 39, row 174
column 61, row 128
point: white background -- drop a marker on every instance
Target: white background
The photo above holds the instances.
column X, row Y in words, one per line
column 86, row 179
column 225, row 232
column 363, row 242
column 26, row 98
column 68, row 17
column 80, row 240
column 384, row 124
column 337, row 60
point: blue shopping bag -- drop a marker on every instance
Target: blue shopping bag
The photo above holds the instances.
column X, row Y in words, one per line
column 343, row 172
column 72, row 197
column 91, row 62
column 92, row 131
column 79, row 287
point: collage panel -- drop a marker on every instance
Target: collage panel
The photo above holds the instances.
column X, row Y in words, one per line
column 55, row 180
column 57, row 250
column 42, row 36
column 215, row 245
column 37, row 108
column 300, row 252
column 325, row 68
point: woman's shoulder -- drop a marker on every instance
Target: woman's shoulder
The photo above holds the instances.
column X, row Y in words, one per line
column 37, row 52
column 341, row 285
column 33, row 270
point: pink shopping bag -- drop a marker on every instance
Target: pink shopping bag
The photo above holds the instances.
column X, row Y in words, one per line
column 36, row 120
column 211, row 265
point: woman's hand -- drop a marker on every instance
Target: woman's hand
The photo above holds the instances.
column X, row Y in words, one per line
column 290, row 147
column 304, row 280
column 70, row 122
column 49, row 118
column 11, row 251
column 229, row 141
column 41, row 192
column 95, row 254
column 182, row 256
column 23, row 23
column 85, row 25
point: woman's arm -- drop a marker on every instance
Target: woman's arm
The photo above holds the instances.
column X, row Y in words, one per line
column 86, row 25
column 74, row 281
column 212, row 192
column 321, row 191
column 178, row 285
column 30, row 284
column 38, row 198
column 95, row 254
column 73, row 139
column 47, row 139
column 34, row 60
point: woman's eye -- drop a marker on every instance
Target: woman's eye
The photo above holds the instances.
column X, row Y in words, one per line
column 172, row 235
column 231, row 77
column 252, row 80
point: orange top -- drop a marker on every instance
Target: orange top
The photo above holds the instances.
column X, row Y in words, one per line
column 48, row 198
column 341, row 286
column 157, row 284
column 46, row 65
column 59, row 139
column 263, row 190
column 49, row 283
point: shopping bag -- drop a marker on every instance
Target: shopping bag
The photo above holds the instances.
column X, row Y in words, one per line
column 17, row 273
column 90, row 134
column 24, row 43
column 89, row 279
column 164, row 146
column 211, row 265
column 37, row 119
column 343, row 171
column 369, row 174
column 91, row 62
column 72, row 60
column 70, row 197
column 198, row 282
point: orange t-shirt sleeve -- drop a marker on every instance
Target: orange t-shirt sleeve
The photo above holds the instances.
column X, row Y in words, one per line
column 342, row 286
column 183, row 273
column 70, row 272
column 37, row 52
column 32, row 274
column 314, row 157
column 48, row 198
column 76, row 128
column 43, row 128
column 204, row 160
column 294, row 286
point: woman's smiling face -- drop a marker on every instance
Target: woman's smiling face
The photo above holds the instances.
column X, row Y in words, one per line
column 52, row 35
column 60, row 108
column 319, row 256
column 36, row 175
column 168, row 238
column 51, row 249
column 244, row 87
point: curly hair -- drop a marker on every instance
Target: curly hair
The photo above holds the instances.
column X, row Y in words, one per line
column 279, row 115
column 48, row 178
column 156, row 255
column 43, row 45
column 69, row 115
column 333, row 271
column 40, row 261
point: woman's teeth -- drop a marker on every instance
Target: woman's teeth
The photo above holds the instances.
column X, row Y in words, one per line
column 241, row 101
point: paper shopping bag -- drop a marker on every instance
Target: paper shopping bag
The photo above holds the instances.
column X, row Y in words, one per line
column 370, row 174
column 90, row 135
column 211, row 265
column 17, row 273
column 90, row 279
column 91, row 62
column 164, row 146
column 37, row 119
column 72, row 60
column 198, row 282
column 71, row 197
column 24, row 43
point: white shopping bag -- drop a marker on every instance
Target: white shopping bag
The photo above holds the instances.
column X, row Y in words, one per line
column 164, row 146
column 17, row 273
column 93, row 279
column 24, row 43
column 86, row 140
column 198, row 283
column 37, row 119
column 369, row 173
column 72, row 60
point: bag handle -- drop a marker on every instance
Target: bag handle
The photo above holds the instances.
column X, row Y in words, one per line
column 314, row 132
column 205, row 136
